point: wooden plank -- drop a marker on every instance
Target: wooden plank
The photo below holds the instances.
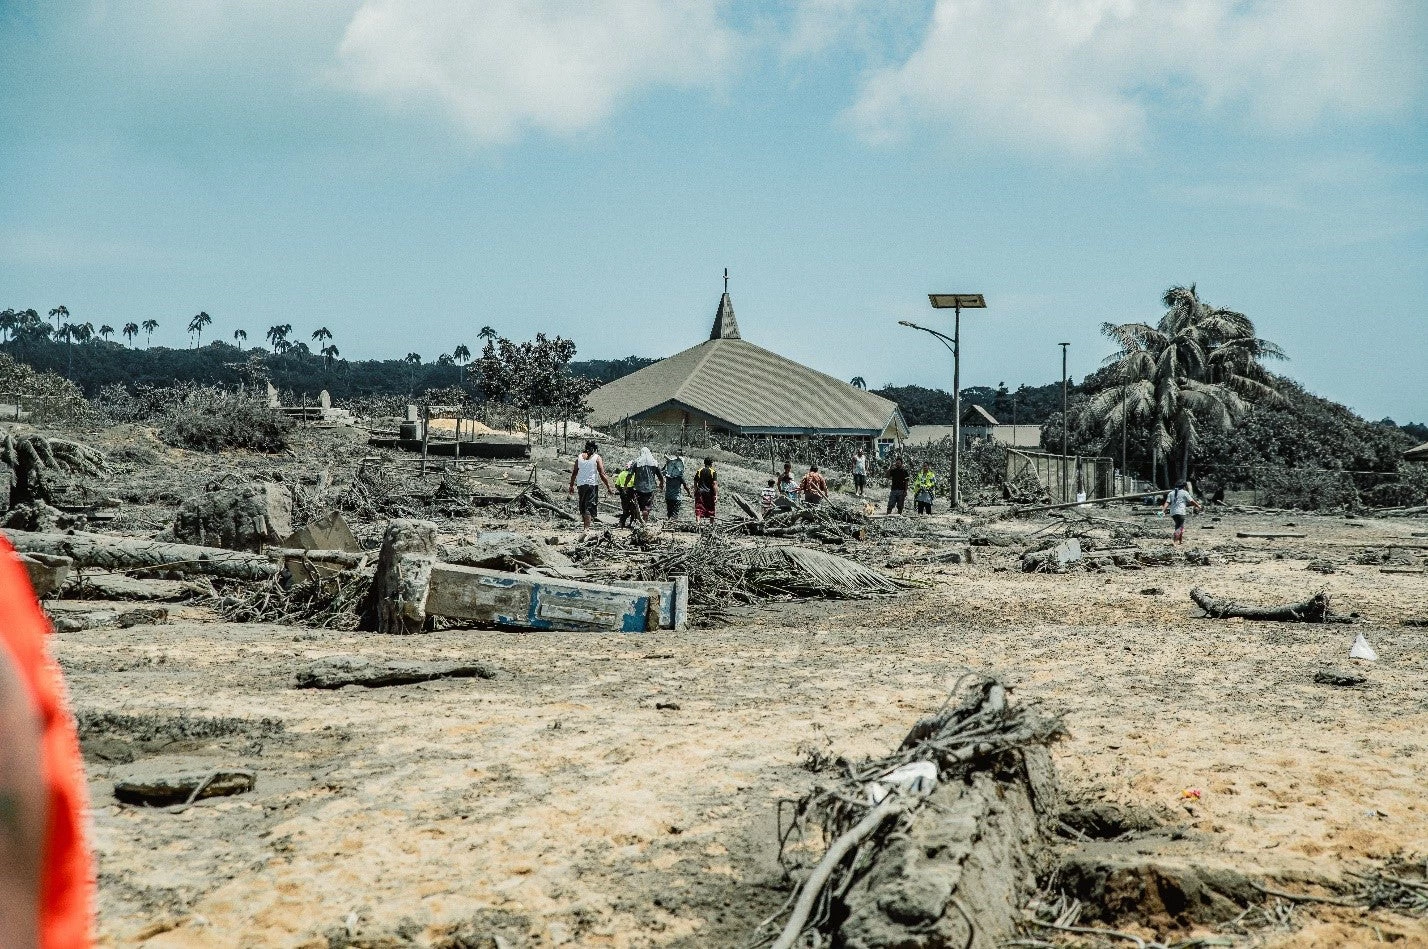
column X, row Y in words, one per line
column 1402, row 570
column 536, row 602
column 1269, row 535
column 662, row 596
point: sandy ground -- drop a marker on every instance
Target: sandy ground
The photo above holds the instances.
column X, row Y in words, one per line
column 620, row 790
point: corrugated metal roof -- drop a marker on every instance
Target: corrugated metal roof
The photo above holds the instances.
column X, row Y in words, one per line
column 1417, row 454
column 974, row 414
column 746, row 387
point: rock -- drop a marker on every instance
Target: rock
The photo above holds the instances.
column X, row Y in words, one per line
column 236, row 516
column 336, row 671
column 1339, row 678
column 1129, row 881
column 1153, row 591
column 152, row 784
column 47, row 573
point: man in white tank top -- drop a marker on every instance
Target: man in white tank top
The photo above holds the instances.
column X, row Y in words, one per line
column 587, row 474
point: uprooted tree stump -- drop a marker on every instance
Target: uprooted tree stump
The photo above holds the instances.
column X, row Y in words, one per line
column 1313, row 610
column 403, row 576
column 918, row 868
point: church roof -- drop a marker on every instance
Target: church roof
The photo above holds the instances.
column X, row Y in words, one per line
column 745, row 388
column 1417, row 454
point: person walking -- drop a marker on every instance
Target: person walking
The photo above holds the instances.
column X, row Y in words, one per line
column 648, row 478
column 706, row 491
column 860, row 472
column 46, row 871
column 813, row 486
column 674, row 483
column 1178, row 502
column 923, row 489
column 625, row 487
column 787, row 483
column 586, row 475
column 897, row 485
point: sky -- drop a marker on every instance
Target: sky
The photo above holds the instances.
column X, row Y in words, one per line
column 405, row 172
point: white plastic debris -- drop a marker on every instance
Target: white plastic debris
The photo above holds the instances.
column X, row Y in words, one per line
column 914, row 778
column 1362, row 650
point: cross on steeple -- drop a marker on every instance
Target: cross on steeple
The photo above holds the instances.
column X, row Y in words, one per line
column 725, row 326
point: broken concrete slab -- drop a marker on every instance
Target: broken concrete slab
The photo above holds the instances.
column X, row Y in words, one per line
column 1340, row 678
column 47, row 572
column 1053, row 559
column 327, row 533
column 154, row 784
column 334, row 672
column 120, row 586
column 236, row 516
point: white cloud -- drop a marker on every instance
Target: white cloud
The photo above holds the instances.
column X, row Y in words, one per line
column 499, row 68
column 1091, row 75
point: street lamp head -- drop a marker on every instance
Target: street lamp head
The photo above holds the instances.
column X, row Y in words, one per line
column 906, row 323
column 961, row 301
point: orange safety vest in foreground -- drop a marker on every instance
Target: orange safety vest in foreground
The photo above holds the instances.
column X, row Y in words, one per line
column 67, row 878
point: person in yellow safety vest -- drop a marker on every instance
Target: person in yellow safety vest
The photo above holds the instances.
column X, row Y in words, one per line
column 922, row 487
column 625, row 486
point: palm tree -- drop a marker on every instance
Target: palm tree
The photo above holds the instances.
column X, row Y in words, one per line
column 278, row 334
column 329, row 354
column 59, row 314
column 149, row 326
column 9, row 319
column 240, row 337
column 413, row 360
column 130, row 330
column 487, row 333
column 83, row 332
column 196, row 325
column 857, row 382
column 106, row 331
column 321, row 335
column 1195, row 371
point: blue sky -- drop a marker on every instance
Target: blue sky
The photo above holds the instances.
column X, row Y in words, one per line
column 406, row 171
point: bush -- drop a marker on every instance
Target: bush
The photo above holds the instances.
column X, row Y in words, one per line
column 207, row 418
column 1409, row 489
column 46, row 396
column 203, row 418
column 1308, row 489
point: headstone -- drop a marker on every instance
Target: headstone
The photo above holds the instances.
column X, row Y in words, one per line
column 413, row 414
column 272, row 397
column 324, row 399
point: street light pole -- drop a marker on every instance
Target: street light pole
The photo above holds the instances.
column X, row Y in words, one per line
column 956, row 302
column 1065, row 430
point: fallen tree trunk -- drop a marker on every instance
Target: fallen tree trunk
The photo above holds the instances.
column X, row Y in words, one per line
column 934, row 845
column 334, row 672
column 1313, row 610
column 130, row 554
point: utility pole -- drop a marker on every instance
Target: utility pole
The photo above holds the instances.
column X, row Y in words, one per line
column 1065, row 430
column 1124, row 422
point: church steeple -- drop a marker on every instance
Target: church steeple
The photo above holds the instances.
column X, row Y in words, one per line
column 725, row 326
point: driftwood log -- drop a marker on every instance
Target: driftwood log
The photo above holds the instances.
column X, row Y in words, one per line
column 403, row 576
column 334, row 672
column 129, row 554
column 1313, row 610
column 951, row 868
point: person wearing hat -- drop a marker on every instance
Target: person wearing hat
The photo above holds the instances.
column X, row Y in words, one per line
column 674, row 483
column 648, row 479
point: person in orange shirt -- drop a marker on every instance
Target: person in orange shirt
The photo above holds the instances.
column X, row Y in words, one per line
column 46, row 874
